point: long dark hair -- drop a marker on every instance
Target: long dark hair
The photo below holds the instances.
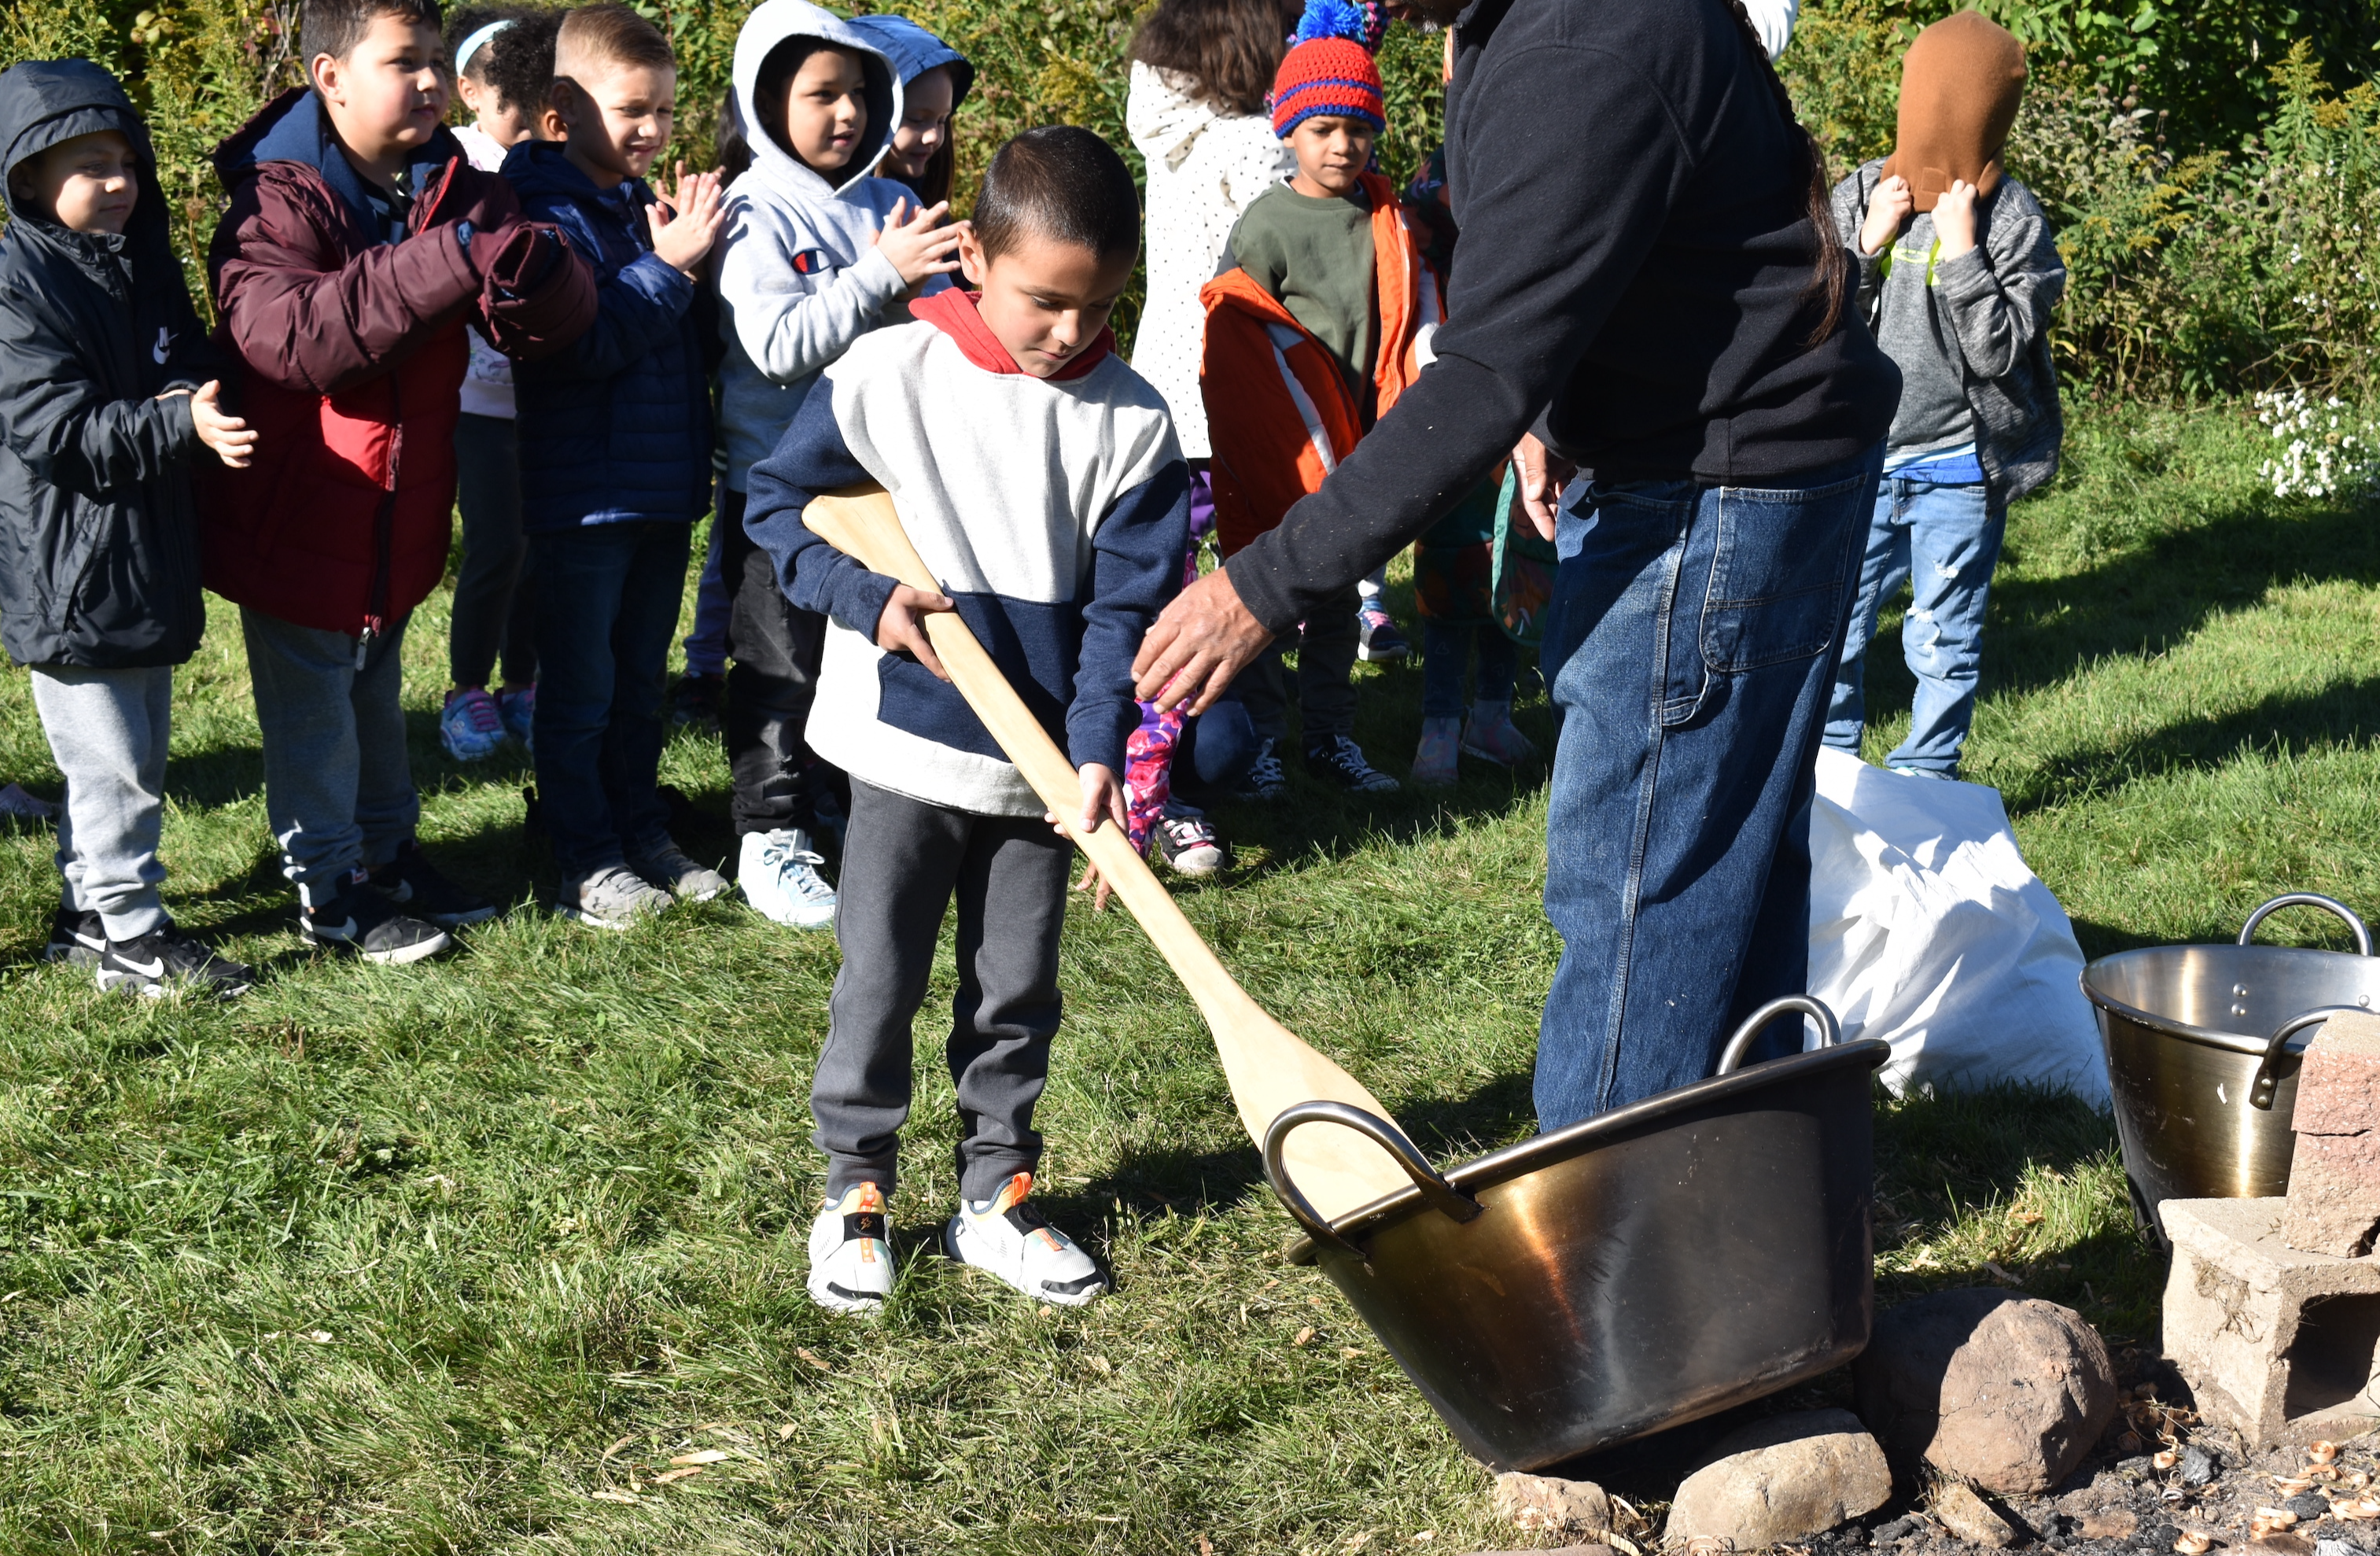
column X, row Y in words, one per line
column 1229, row 48
column 1833, row 269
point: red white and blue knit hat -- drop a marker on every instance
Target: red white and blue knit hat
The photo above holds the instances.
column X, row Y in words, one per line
column 1329, row 69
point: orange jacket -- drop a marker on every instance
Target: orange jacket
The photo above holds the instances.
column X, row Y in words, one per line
column 1279, row 411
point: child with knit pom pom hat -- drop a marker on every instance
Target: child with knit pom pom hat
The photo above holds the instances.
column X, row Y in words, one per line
column 1320, row 318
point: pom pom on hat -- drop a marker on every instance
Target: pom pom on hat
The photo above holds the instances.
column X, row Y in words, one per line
column 1329, row 69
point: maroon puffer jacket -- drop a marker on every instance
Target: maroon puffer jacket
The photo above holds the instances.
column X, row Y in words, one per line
column 354, row 354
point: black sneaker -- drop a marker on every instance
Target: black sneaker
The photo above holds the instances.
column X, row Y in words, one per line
column 78, row 938
column 1340, row 761
column 165, row 960
column 1265, row 780
column 412, row 882
column 696, row 698
column 362, row 922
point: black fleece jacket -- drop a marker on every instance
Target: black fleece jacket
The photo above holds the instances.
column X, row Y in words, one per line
column 99, row 553
column 1634, row 281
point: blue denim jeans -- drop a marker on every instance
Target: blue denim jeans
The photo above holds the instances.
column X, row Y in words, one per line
column 1446, row 655
column 1691, row 650
column 607, row 601
column 1943, row 541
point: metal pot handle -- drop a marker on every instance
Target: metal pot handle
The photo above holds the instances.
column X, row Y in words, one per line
column 1830, row 1032
column 2268, row 1077
column 2310, row 899
column 1440, row 1195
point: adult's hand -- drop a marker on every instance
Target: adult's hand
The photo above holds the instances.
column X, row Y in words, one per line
column 1542, row 474
column 1195, row 648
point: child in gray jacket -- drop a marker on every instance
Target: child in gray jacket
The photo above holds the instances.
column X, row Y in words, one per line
column 813, row 253
column 1959, row 272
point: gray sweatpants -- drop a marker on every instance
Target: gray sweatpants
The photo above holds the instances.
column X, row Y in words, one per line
column 1325, row 676
column 901, row 864
column 108, row 730
column 338, row 784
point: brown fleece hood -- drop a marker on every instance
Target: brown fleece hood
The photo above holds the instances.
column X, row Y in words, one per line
column 1959, row 85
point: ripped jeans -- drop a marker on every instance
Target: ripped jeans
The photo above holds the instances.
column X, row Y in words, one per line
column 1944, row 541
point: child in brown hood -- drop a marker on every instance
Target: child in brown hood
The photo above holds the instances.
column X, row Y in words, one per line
column 1959, row 271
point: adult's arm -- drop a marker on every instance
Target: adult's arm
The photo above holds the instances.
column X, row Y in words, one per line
column 1551, row 238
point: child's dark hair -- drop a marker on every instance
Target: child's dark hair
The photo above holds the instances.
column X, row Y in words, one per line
column 1063, row 183
column 728, row 142
column 521, row 60
column 1229, row 48
column 464, row 22
column 336, row 27
column 612, row 34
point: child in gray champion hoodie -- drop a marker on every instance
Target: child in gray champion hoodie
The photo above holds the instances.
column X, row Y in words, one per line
column 813, row 253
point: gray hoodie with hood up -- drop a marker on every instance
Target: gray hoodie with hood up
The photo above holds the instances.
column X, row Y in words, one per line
column 800, row 277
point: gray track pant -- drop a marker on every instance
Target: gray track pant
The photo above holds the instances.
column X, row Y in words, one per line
column 903, row 862
column 108, row 730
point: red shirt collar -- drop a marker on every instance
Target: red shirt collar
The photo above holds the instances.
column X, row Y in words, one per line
column 954, row 311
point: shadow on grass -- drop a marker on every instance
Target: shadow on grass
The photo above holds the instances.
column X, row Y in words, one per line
column 2286, row 725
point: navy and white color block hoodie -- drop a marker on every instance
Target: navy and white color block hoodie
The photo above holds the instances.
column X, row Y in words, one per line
column 1053, row 511
column 800, row 277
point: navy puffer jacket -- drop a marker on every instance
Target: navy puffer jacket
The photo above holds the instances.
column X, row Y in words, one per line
column 616, row 426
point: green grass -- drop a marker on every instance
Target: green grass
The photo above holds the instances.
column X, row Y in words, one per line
column 419, row 1259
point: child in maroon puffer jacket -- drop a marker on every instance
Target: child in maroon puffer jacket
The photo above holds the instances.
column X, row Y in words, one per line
column 358, row 244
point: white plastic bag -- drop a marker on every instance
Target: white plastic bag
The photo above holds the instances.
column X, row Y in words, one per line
column 1927, row 931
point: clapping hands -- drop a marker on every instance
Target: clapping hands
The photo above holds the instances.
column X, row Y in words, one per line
column 686, row 222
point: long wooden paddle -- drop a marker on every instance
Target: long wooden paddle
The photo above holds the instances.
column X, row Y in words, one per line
column 1267, row 1068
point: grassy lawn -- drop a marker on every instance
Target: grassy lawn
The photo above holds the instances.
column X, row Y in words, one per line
column 458, row 1258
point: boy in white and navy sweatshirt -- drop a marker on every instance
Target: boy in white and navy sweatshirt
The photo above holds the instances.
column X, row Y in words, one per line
column 1038, row 477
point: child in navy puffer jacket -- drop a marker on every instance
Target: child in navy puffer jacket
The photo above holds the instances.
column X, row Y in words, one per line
column 615, row 468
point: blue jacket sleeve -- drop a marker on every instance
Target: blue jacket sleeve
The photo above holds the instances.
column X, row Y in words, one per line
column 811, row 458
column 1135, row 568
column 636, row 307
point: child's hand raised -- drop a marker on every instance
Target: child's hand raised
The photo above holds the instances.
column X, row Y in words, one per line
column 902, row 627
column 1954, row 219
column 917, row 248
column 1888, row 209
column 227, row 435
column 687, row 224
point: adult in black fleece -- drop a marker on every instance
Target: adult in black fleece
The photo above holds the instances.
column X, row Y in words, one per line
column 1641, row 281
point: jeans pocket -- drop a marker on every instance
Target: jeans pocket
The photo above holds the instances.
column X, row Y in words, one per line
column 1779, row 573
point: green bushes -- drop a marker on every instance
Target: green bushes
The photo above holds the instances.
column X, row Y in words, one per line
column 2204, row 260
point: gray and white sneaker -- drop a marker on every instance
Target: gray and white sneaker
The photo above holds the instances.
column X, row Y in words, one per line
column 779, row 873
column 1008, row 1235
column 851, row 1253
column 666, row 865
column 611, row 898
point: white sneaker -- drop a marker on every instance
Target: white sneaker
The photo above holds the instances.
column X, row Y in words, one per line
column 778, row 871
column 1008, row 1235
column 851, row 1253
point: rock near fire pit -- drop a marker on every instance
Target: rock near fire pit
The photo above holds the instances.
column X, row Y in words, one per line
column 2005, row 1391
column 1781, row 1479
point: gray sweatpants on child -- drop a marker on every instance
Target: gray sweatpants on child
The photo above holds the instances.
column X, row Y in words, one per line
column 108, row 730
column 904, row 861
column 338, row 782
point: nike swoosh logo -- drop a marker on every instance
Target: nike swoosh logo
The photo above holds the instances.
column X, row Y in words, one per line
column 147, row 969
column 338, row 932
column 165, row 344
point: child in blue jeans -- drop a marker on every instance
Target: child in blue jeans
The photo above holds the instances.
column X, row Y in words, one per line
column 615, row 467
column 1959, row 272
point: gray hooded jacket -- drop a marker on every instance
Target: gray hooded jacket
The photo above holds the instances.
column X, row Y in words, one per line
column 1976, row 326
column 800, row 277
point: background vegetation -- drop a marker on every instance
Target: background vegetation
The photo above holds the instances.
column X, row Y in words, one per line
column 2213, row 164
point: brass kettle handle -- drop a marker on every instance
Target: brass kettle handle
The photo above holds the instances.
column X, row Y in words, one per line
column 1830, row 1032
column 2268, row 1072
column 2310, row 899
column 1440, row 1195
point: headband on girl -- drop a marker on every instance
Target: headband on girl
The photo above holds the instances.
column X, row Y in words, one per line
column 477, row 42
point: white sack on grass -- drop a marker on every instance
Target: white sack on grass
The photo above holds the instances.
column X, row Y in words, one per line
column 1927, row 931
